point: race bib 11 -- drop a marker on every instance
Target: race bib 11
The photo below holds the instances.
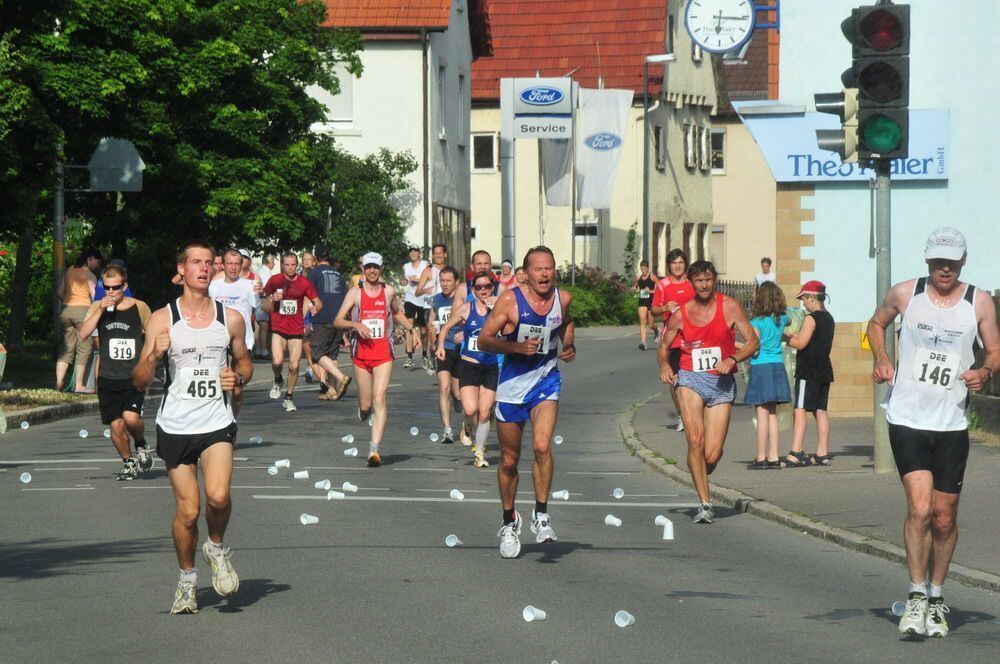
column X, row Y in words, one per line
column 376, row 326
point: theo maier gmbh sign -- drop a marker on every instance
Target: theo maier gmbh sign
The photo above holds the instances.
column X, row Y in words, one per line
column 543, row 108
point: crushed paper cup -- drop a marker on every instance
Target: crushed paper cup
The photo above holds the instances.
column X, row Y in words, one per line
column 351, row 451
column 898, row 608
column 624, row 619
column 667, row 524
column 308, row 519
column 283, row 463
column 347, row 486
column 612, row 520
column 414, row 431
column 256, row 440
column 334, row 495
column 84, row 433
column 24, row 424
column 561, row 495
column 272, row 470
column 532, row 614
column 25, row 478
column 435, row 438
column 618, row 494
column 301, row 474
column 452, row 541
column 323, row 484
column 456, row 495
column 107, row 433
column 347, row 439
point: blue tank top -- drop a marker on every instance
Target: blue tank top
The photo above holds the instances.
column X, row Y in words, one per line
column 442, row 312
column 470, row 337
column 519, row 373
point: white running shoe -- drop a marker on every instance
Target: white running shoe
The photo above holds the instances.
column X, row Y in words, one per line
column 129, row 471
column 705, row 513
column 541, row 525
column 408, row 364
column 480, row 461
column 510, row 545
column 275, row 392
column 224, row 577
column 466, row 439
column 937, row 621
column 185, row 598
column 680, row 423
column 145, row 458
column 914, row 619
column 447, row 437
column 289, row 406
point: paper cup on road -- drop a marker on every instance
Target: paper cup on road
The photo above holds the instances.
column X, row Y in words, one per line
column 898, row 608
column 25, row 478
column 323, row 484
column 414, row 431
column 347, row 439
column 347, row 486
column 434, row 438
column 83, row 433
column 351, row 451
column 107, row 433
column 24, row 424
column 334, row 495
column 618, row 494
column 558, row 440
column 301, row 474
column 560, row 495
column 452, row 541
column 456, row 495
column 531, row 614
column 272, row 470
column 624, row 619
column 283, row 463
column 308, row 519
column 666, row 524
column 612, row 520
column 256, row 440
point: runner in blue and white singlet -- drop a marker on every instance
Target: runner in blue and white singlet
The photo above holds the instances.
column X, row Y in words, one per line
column 446, row 350
column 527, row 380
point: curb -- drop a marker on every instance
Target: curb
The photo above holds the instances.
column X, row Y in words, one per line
column 49, row 413
column 742, row 502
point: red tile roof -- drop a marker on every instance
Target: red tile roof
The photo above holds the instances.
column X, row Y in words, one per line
column 606, row 38
column 388, row 14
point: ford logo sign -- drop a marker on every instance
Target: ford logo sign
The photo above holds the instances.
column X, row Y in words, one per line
column 541, row 95
column 603, row 141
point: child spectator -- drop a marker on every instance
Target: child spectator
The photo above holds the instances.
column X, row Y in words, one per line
column 768, row 384
column 813, row 375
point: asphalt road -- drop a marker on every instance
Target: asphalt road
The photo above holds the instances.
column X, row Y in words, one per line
column 87, row 569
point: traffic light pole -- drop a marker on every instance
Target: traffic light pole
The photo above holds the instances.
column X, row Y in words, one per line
column 884, row 462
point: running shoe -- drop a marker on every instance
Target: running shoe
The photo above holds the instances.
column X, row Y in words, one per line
column 342, row 386
column 428, row 365
column 288, row 405
column 145, row 458
column 915, row 616
column 937, row 621
column 224, row 577
column 310, row 377
column 185, row 598
column 510, row 545
column 466, row 440
column 408, row 364
column 680, row 423
column 275, row 392
column 129, row 471
column 705, row 513
column 642, row 346
column 363, row 415
column 541, row 525
column 329, row 395
column 480, row 461
column 374, row 460
column 447, row 436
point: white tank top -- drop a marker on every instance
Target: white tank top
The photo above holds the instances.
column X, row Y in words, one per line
column 238, row 295
column 935, row 347
column 410, row 293
column 193, row 400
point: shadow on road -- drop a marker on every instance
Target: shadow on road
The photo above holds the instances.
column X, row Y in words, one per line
column 49, row 557
column 251, row 591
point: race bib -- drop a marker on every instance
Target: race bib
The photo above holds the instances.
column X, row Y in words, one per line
column 288, row 307
column 705, row 359
column 525, row 332
column 474, row 343
column 200, row 383
column 376, row 326
column 121, row 349
column 443, row 316
column 935, row 368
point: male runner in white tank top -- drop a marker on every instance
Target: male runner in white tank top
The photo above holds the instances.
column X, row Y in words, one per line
column 941, row 319
column 194, row 424
column 242, row 294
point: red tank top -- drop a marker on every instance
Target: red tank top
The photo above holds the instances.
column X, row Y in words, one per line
column 375, row 314
column 703, row 348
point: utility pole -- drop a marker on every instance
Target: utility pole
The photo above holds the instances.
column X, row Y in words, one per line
column 884, row 462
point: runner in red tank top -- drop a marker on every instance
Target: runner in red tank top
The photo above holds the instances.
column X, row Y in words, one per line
column 368, row 311
column 673, row 291
column 705, row 382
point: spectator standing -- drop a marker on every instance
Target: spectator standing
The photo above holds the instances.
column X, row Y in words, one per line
column 765, row 273
column 768, row 384
column 263, row 318
column 76, row 291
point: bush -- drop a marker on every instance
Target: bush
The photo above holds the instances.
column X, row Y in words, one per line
column 599, row 298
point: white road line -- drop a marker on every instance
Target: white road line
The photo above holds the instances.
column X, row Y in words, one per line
column 599, row 472
column 64, row 488
column 235, row 486
column 490, row 501
column 36, row 461
column 61, row 470
column 449, row 490
column 423, row 470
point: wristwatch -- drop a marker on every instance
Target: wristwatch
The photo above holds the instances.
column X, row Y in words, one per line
column 240, row 380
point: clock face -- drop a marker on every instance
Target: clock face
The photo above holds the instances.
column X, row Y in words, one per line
column 719, row 26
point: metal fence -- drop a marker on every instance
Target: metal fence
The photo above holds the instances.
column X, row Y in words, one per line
column 741, row 291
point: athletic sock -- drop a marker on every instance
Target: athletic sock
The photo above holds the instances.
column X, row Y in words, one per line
column 935, row 591
column 508, row 516
column 541, row 508
column 918, row 588
column 213, row 547
column 409, row 354
column 288, row 395
column 189, row 575
column 482, row 433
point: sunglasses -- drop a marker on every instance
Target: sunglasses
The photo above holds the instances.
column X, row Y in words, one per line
column 483, row 286
column 114, row 288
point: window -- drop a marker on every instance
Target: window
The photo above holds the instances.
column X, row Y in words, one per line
column 686, row 240
column 696, row 52
column 462, row 131
column 670, row 33
column 585, row 229
column 660, row 147
column 690, row 146
column 658, row 227
column 442, row 100
column 474, row 233
column 704, row 148
column 717, row 248
column 718, row 151
column 339, row 107
column 702, row 230
column 485, row 152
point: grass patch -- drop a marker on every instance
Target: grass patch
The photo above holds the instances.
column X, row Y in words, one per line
column 19, row 399
column 31, row 368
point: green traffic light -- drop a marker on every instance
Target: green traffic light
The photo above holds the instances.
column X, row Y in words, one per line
column 881, row 134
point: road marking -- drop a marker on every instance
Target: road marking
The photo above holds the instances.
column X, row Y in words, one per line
column 64, row 488
column 599, row 472
column 60, row 470
column 423, row 470
column 450, row 490
column 235, row 486
column 33, row 461
column 490, row 501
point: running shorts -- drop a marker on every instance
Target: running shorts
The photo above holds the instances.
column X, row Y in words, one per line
column 179, row 448
column 943, row 453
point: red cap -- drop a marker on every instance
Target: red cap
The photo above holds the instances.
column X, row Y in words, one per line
column 812, row 288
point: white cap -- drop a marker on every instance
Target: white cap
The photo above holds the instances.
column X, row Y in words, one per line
column 947, row 243
column 372, row 258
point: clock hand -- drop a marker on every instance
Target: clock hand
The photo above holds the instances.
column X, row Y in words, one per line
column 718, row 25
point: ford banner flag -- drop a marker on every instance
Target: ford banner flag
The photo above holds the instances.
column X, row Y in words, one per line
column 602, row 121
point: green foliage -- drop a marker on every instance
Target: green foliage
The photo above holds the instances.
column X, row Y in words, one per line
column 599, row 298
column 631, row 257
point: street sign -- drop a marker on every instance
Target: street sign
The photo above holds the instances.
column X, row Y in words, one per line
column 115, row 166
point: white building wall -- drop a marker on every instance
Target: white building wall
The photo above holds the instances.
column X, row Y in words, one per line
column 943, row 74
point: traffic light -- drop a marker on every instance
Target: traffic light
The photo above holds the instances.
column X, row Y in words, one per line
column 873, row 107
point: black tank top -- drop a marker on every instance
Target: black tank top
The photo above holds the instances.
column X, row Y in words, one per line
column 648, row 282
column 813, row 361
column 121, row 337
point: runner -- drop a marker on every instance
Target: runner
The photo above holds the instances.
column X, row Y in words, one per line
column 414, row 305
column 477, row 369
column 218, row 267
column 369, row 310
column 194, row 424
column 289, row 296
column 243, row 295
column 942, row 318
column 481, row 262
column 331, row 287
column 430, row 286
column 263, row 332
column 447, row 350
column 645, row 286
column 705, row 382
column 507, row 277
column 312, row 369
column 531, row 318
column 520, row 276
column 120, row 322
column 672, row 292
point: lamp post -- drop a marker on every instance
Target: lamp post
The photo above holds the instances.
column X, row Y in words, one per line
column 662, row 58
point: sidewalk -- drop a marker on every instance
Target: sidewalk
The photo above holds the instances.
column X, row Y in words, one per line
column 846, row 502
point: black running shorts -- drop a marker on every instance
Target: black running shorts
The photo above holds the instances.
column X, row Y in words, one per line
column 416, row 313
column 472, row 374
column 450, row 362
column 116, row 396
column 178, row 448
column 811, row 395
column 325, row 341
column 943, row 453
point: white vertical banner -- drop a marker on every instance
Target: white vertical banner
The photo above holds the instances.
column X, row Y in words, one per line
column 557, row 168
column 602, row 120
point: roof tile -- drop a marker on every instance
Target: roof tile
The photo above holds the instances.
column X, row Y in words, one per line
column 387, row 14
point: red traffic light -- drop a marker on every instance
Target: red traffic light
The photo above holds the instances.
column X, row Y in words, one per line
column 881, row 30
